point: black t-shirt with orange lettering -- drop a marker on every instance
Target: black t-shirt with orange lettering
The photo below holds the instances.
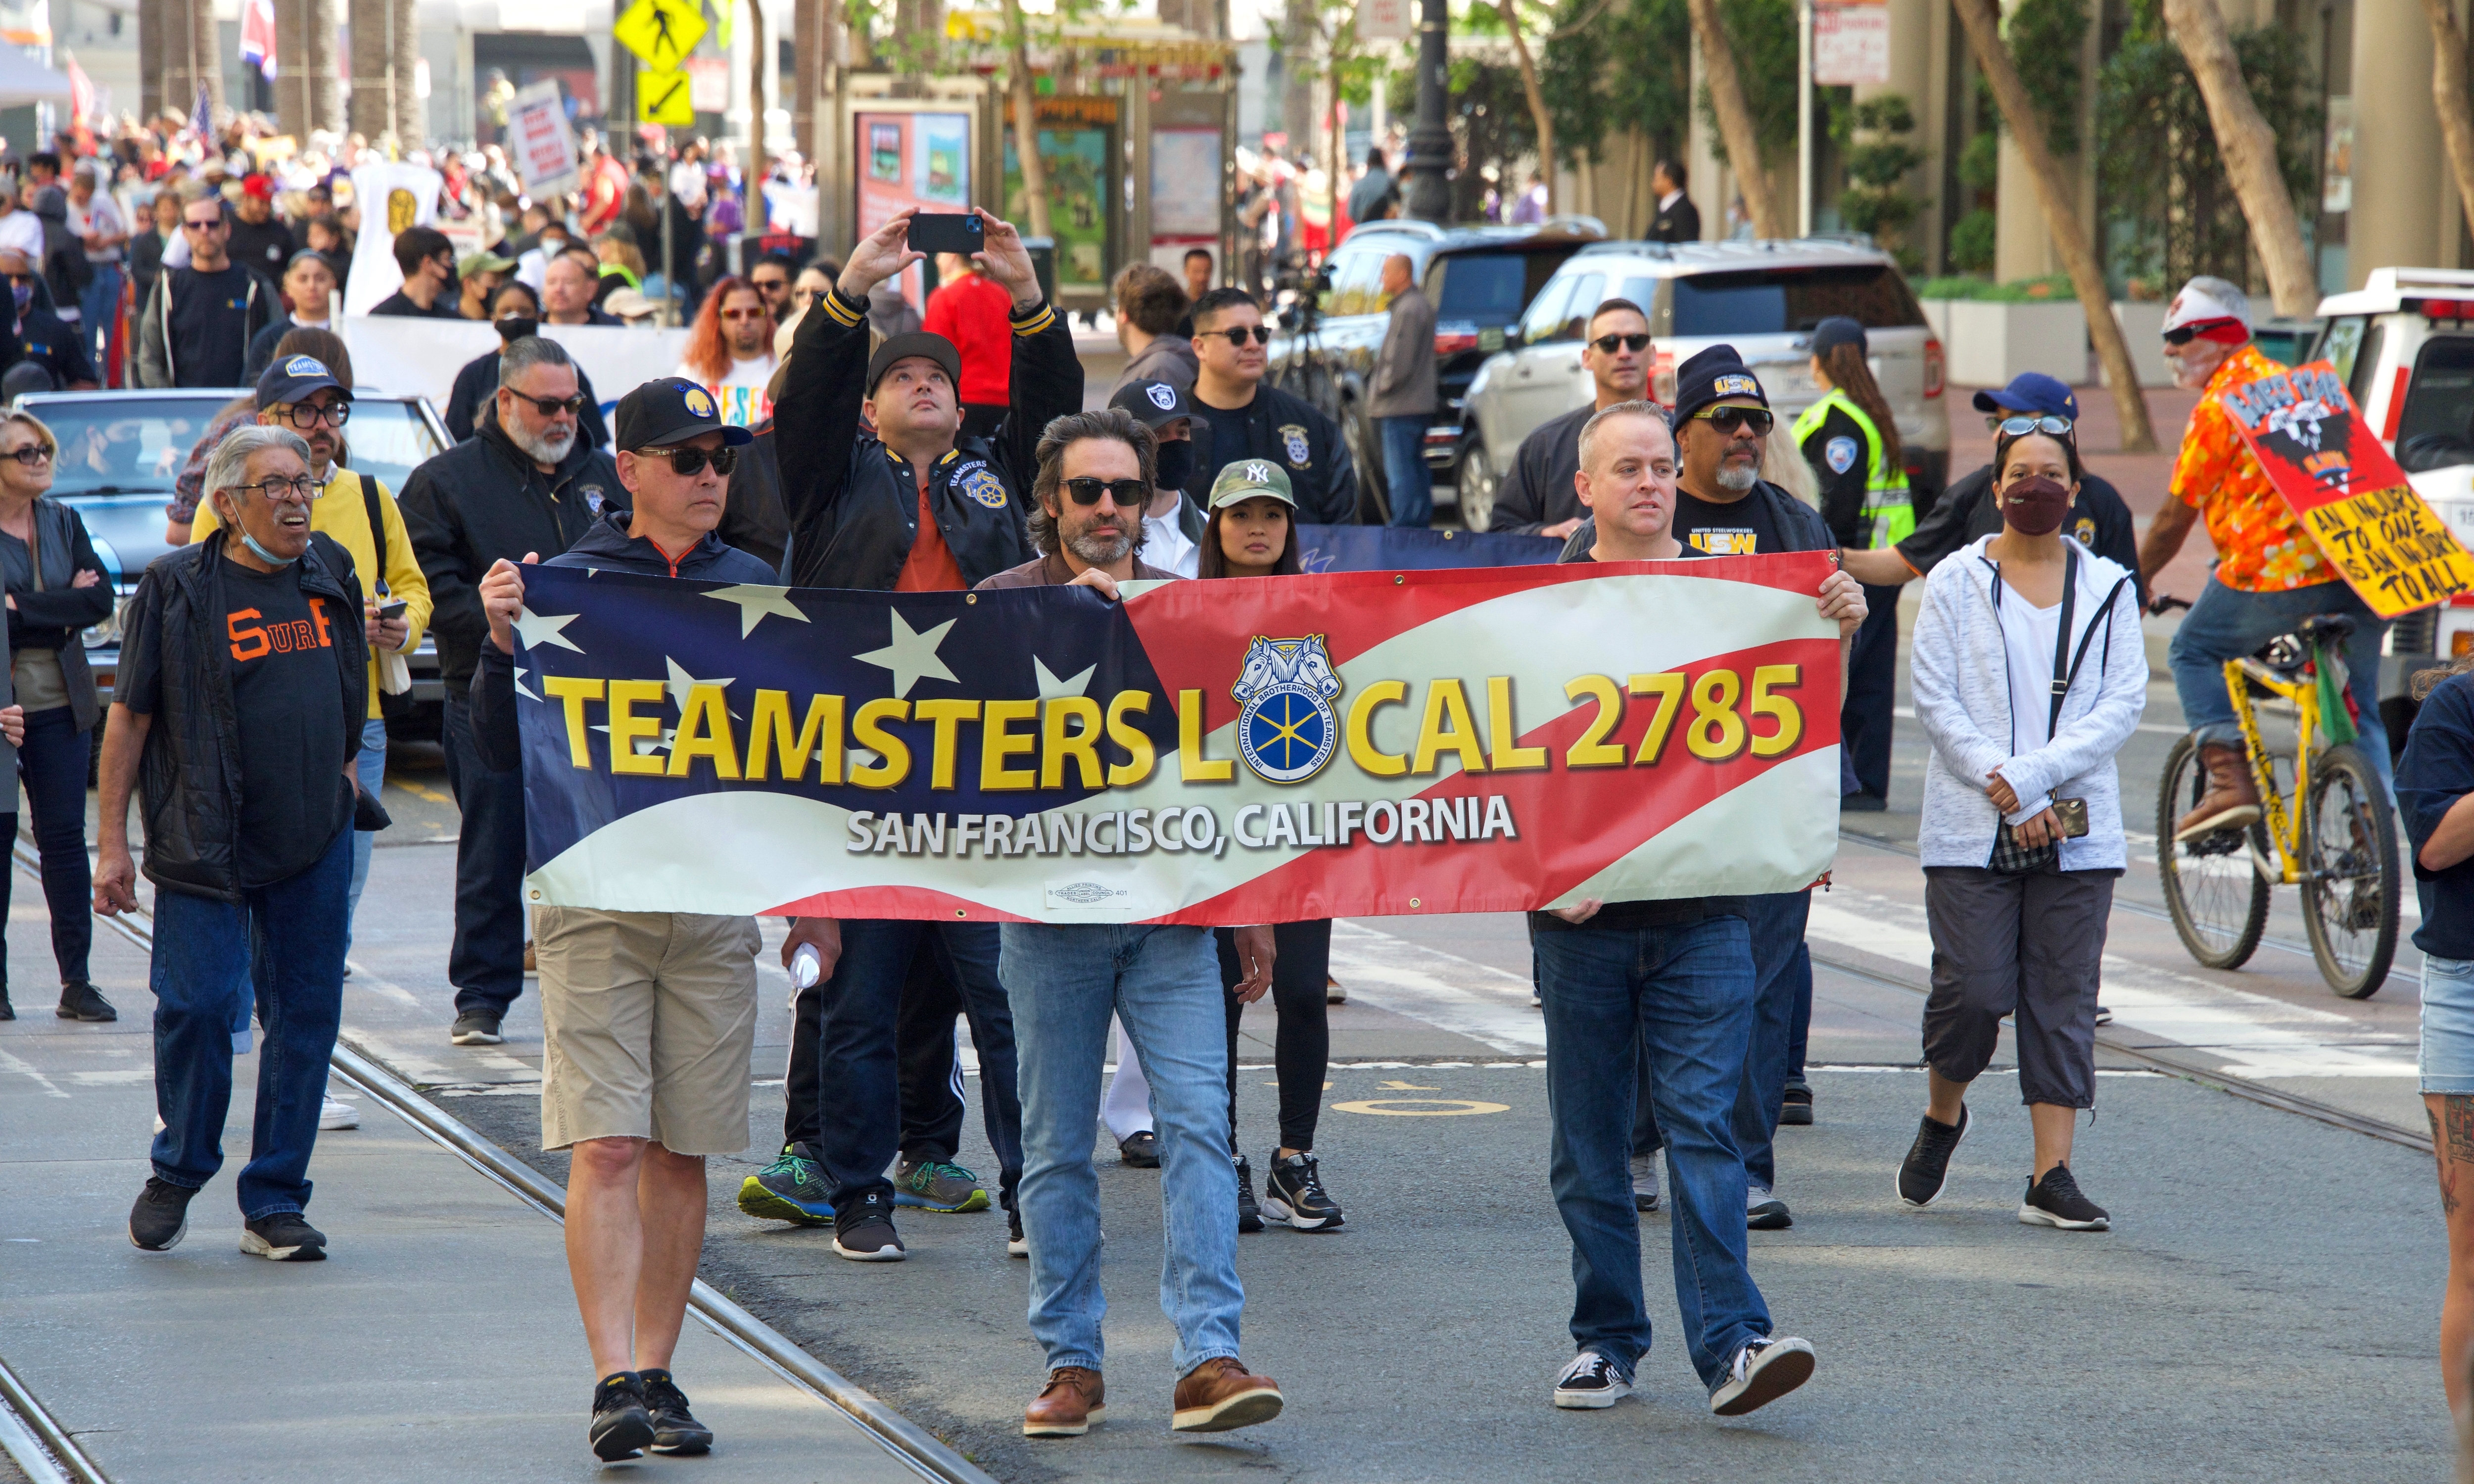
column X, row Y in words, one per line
column 279, row 651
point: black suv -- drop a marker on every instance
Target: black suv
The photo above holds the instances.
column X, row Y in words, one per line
column 1480, row 280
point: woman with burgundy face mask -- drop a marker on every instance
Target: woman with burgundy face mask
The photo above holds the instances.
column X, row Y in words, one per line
column 2029, row 672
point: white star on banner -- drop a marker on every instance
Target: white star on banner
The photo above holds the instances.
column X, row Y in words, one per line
column 537, row 630
column 756, row 604
column 912, row 657
column 521, row 673
column 682, row 682
column 1051, row 687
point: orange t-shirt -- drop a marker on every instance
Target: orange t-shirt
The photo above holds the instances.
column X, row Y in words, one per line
column 931, row 566
column 2261, row 544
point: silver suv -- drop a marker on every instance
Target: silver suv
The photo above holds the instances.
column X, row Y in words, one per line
column 1763, row 297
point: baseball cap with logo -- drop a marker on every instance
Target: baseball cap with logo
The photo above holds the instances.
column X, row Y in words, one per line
column 671, row 410
column 1248, row 478
column 1153, row 403
column 1714, row 375
column 294, row 379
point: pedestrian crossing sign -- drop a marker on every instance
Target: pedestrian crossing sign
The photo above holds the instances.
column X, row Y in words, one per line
column 662, row 32
column 662, row 98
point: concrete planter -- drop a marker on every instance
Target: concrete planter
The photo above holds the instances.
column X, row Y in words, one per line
column 1987, row 343
column 2141, row 320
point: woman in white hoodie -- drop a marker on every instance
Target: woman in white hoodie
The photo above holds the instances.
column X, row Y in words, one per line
column 2029, row 672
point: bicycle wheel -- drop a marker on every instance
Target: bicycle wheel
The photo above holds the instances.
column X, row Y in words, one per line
column 2349, row 873
column 2217, row 897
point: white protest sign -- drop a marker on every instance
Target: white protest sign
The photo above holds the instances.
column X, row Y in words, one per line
column 539, row 141
column 423, row 356
column 1851, row 43
column 393, row 198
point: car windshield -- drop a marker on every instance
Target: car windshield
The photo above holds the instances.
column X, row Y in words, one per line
column 137, row 445
column 1782, row 301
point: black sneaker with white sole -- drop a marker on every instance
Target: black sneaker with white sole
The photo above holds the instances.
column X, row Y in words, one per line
column 286, row 1237
column 1795, row 1105
column 160, row 1218
column 1590, row 1381
column 2055, row 1200
column 1927, row 1167
column 1293, row 1193
column 476, row 1028
column 621, row 1426
column 1763, row 1371
column 1249, row 1215
column 1764, row 1211
column 864, row 1231
column 675, row 1430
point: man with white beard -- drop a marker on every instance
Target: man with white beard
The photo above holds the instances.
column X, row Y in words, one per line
column 524, row 483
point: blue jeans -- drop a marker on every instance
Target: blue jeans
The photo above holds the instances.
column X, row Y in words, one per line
column 1689, row 990
column 52, row 761
column 369, row 767
column 1412, row 485
column 1163, row 984
column 100, row 309
column 1782, row 973
column 485, row 962
column 288, row 937
column 859, row 1122
column 2226, row 624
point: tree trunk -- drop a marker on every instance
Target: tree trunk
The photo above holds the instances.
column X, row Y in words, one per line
column 1538, row 115
column 1736, row 120
column 2248, row 145
column 190, row 57
column 305, row 98
column 2448, row 84
column 386, row 42
column 1025, row 122
column 760, row 102
column 811, row 24
column 149, row 60
column 1984, row 23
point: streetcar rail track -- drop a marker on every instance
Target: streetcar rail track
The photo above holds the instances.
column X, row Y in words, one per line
column 37, row 1441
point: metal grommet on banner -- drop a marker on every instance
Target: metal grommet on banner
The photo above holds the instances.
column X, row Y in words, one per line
column 1412, row 901
column 535, row 895
column 1397, row 580
column 960, row 912
column 970, row 597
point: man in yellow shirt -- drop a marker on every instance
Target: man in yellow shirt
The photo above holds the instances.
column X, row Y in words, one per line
column 301, row 394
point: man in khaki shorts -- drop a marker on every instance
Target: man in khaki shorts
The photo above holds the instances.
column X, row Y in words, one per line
column 649, row 1017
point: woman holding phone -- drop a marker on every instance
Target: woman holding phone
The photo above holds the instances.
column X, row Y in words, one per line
column 2029, row 672
column 1252, row 533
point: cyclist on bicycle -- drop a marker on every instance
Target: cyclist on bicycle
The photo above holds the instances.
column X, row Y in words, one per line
column 2270, row 574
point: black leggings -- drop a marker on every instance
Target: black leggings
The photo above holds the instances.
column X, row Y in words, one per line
column 52, row 761
column 1302, row 1047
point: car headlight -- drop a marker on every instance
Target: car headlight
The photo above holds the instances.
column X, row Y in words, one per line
column 107, row 634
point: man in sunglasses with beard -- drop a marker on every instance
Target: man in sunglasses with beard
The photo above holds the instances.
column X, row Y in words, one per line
column 527, row 481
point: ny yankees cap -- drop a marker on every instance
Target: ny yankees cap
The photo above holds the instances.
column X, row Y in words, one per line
column 670, row 410
column 1248, row 478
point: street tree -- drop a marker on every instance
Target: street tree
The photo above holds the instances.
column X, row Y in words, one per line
column 1735, row 121
column 1982, row 21
column 1026, row 119
column 2448, row 84
column 2248, row 145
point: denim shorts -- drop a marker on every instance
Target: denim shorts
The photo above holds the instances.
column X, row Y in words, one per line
column 2447, row 1025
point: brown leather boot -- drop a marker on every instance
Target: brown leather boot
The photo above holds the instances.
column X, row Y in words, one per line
column 2232, row 799
column 1219, row 1394
column 1066, row 1407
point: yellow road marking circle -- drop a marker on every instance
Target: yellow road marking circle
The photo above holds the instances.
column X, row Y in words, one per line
column 1421, row 1107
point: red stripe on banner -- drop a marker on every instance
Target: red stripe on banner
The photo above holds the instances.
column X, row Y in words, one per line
column 920, row 903
column 1573, row 821
column 1208, row 656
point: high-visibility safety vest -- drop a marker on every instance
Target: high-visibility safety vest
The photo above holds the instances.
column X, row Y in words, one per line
column 1888, row 511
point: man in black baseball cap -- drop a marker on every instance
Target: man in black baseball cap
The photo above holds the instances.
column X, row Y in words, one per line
column 1173, row 524
column 297, row 391
column 673, row 411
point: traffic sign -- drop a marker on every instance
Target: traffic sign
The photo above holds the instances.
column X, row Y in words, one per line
column 663, row 97
column 662, row 32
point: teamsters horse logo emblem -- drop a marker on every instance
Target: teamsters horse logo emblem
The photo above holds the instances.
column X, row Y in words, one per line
column 1286, row 728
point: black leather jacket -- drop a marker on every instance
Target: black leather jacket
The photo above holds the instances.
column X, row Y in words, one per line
column 189, row 775
column 853, row 504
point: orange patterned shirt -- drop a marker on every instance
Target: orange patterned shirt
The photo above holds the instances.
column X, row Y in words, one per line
column 2261, row 544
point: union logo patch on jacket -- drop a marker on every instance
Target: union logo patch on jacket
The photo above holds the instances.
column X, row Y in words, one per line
column 1293, row 440
column 984, row 487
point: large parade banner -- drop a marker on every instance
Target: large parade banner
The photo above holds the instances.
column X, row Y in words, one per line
column 2344, row 486
column 1220, row 753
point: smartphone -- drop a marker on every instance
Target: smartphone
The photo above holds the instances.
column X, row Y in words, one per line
column 390, row 612
column 948, row 231
column 2073, row 816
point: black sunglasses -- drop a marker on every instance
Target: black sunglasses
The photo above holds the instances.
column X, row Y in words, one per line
column 1262, row 334
column 2021, row 427
column 2184, row 334
column 1727, row 420
column 1088, row 491
column 1607, row 344
column 690, row 461
column 549, row 406
column 305, row 415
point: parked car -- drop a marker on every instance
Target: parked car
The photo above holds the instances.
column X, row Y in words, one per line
column 2404, row 341
column 1479, row 280
column 1763, row 297
column 121, row 451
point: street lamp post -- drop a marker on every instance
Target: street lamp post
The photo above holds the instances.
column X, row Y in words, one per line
column 1430, row 142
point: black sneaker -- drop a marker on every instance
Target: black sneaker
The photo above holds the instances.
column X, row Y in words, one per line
column 475, row 1028
column 1763, row 1371
column 1795, row 1107
column 675, row 1430
column 80, row 1002
column 1293, row 1192
column 864, row 1231
column 2103, row 1016
column 1140, row 1149
column 8, row 1012
column 1590, row 1381
column 2055, row 1200
column 621, row 1427
column 1250, row 1216
column 1927, row 1167
column 160, row 1218
column 286, row 1237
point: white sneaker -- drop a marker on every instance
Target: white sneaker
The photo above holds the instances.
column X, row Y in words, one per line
column 1333, row 993
column 1764, row 1211
column 1763, row 1371
column 1592, row 1380
column 333, row 1114
column 1644, row 1182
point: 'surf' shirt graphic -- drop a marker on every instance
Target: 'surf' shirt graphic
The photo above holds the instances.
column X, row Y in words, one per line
column 255, row 637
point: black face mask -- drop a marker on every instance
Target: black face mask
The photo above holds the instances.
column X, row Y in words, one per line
column 1175, row 464
column 513, row 328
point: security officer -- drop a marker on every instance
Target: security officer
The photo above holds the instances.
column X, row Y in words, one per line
column 1852, row 441
column 1242, row 419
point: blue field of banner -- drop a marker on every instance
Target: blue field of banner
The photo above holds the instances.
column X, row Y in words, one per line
column 1399, row 548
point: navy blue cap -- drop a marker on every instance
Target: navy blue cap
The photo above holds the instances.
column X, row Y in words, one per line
column 2031, row 392
column 1712, row 376
column 1154, row 402
column 292, row 379
column 670, row 410
column 1839, row 330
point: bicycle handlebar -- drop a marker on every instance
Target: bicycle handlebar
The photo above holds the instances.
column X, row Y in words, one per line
column 2164, row 603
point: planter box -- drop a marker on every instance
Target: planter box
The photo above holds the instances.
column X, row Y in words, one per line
column 1987, row 343
column 2140, row 322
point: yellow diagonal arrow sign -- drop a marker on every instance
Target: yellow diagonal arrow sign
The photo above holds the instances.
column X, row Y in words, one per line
column 662, row 32
column 662, row 97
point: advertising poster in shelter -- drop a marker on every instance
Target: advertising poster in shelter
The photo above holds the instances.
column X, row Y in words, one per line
column 1077, row 144
column 912, row 159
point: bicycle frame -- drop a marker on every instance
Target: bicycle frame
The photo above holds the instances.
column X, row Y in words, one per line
column 2284, row 827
